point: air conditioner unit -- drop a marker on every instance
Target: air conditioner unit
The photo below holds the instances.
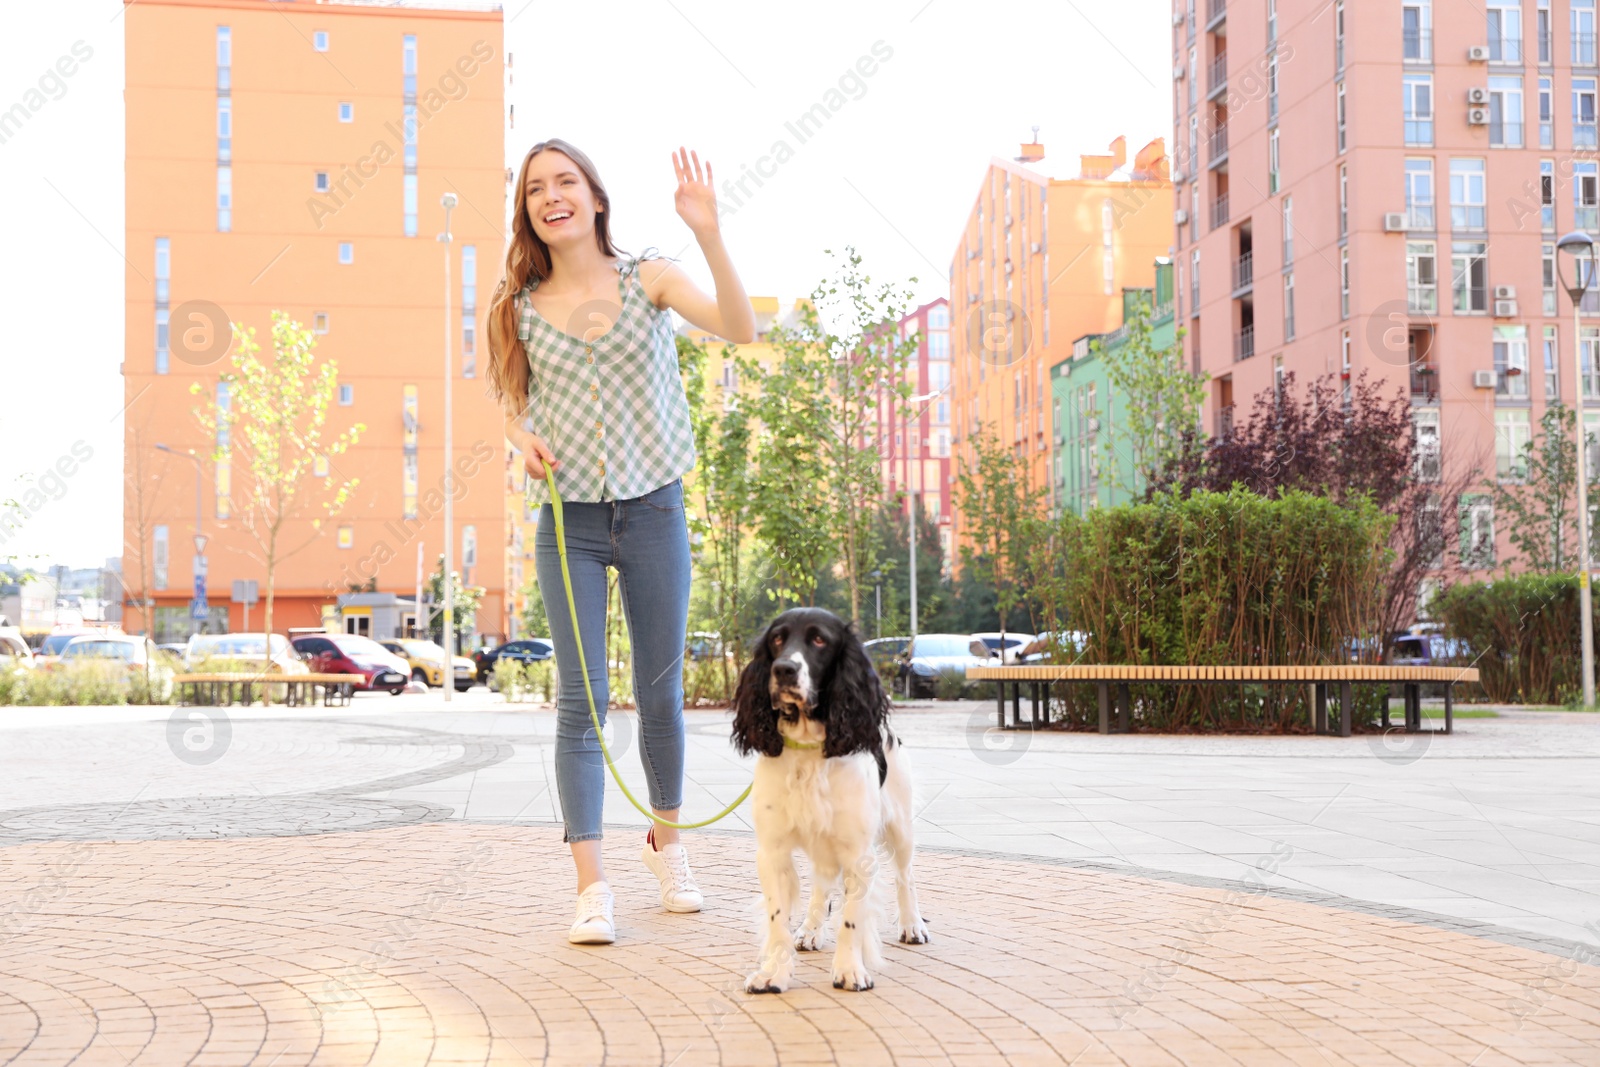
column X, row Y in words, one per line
column 1477, row 95
column 1177, row 18
column 1180, row 216
column 1483, row 379
column 1178, row 176
column 1177, row 73
column 1505, row 292
column 1477, row 116
column 1478, row 53
column 1394, row 222
column 972, row 253
column 1505, row 309
column 1008, row 266
column 1093, row 424
column 1034, row 247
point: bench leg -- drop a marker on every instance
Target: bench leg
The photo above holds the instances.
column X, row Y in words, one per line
column 1386, row 700
column 1319, row 711
column 1103, row 693
column 1000, row 702
column 1123, row 711
column 1449, row 726
column 1344, row 709
column 1035, row 708
column 1016, row 703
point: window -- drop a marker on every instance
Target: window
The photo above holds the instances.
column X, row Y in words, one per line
column 347, row 111
column 1542, row 31
column 1547, row 195
column 1288, row 230
column 938, row 343
column 1416, row 32
column 159, row 555
column 347, row 252
column 938, row 377
column 1477, row 531
column 1552, row 358
column 224, row 199
column 1419, row 194
column 1338, row 114
column 347, row 395
column 1344, row 367
column 319, row 322
column 1338, row 36
column 939, row 318
column 319, row 40
column 1425, row 422
column 1505, row 31
column 1416, row 109
column 1272, row 160
column 163, row 295
column 319, row 466
column 1430, row 535
column 1583, row 33
column 347, row 537
column 1422, row 282
column 1547, row 135
column 408, row 128
column 469, row 311
column 1194, row 215
column 1344, row 202
column 1344, row 283
column 1272, row 88
column 1469, row 270
column 321, row 181
column 225, row 128
column 1505, row 111
column 1288, row 306
column 1467, row 195
column 1585, row 195
column 1511, row 362
column 1583, row 133
column 1194, row 282
column 1272, row 22
column 1510, row 441
column 1547, row 265
column 469, row 546
column 1588, row 363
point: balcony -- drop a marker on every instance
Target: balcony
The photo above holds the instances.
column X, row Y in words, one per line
column 1419, row 216
column 1424, row 382
column 1243, row 271
column 1505, row 49
column 1217, row 79
column 1225, row 420
column 1218, row 145
column 1216, row 11
column 1417, row 46
column 1244, row 343
column 1219, row 211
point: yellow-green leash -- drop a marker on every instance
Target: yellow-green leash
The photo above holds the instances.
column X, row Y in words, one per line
column 594, row 716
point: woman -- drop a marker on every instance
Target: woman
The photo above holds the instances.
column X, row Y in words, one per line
column 585, row 365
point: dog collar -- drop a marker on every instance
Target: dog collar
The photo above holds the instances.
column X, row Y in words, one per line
column 789, row 742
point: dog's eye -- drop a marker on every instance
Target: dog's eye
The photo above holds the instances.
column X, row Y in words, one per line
column 818, row 640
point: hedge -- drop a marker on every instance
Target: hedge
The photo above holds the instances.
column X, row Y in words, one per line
column 1522, row 634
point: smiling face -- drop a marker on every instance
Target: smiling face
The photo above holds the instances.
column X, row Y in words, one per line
column 559, row 201
column 803, row 644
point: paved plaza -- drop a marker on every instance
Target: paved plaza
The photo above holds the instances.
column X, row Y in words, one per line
column 386, row 884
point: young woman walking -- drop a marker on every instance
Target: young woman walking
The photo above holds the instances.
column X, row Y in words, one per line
column 585, row 365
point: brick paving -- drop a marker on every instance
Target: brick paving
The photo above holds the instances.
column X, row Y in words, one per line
column 443, row 942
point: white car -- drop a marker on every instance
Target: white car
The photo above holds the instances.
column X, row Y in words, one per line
column 988, row 646
column 138, row 655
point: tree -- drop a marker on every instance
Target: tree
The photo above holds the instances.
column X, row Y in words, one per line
column 143, row 487
column 275, row 419
column 1541, row 501
column 466, row 600
column 1162, row 400
column 1003, row 515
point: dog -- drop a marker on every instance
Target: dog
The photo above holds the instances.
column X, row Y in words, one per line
column 830, row 779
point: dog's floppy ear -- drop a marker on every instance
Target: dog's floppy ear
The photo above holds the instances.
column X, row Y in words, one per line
column 857, row 704
column 755, row 724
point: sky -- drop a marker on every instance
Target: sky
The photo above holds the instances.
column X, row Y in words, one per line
column 894, row 172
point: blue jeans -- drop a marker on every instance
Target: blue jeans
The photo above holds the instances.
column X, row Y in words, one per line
column 646, row 538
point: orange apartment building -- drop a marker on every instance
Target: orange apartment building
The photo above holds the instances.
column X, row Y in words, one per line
column 292, row 156
column 916, row 452
column 1042, row 261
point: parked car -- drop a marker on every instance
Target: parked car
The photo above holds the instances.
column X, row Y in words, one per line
column 426, row 659
column 384, row 671
column 884, row 652
column 14, row 651
column 138, row 654
column 250, row 649
column 522, row 650
column 50, row 648
column 704, row 644
column 988, row 646
column 1426, row 649
column 1071, row 642
column 929, row 656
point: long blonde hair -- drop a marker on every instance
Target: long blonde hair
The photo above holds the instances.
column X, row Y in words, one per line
column 529, row 257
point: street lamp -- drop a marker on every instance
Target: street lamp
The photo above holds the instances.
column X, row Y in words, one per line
column 449, row 202
column 1581, row 248
column 916, row 459
column 199, row 538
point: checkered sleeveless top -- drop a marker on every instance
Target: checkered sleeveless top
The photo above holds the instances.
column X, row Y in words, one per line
column 613, row 410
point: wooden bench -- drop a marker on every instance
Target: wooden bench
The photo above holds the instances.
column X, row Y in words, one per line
column 301, row 689
column 1039, row 678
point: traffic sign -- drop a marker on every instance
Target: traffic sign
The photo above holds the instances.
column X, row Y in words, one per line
column 245, row 591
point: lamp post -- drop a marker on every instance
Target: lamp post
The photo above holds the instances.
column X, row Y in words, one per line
column 877, row 592
column 916, row 458
column 199, row 537
column 1581, row 248
column 449, row 202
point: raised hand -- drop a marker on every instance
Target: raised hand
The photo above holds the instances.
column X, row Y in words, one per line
column 696, row 200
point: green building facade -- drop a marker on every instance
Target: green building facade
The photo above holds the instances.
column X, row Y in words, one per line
column 1087, row 470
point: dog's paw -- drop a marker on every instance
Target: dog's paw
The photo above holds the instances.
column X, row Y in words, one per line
column 761, row 983
column 914, row 933
column 808, row 940
column 851, row 975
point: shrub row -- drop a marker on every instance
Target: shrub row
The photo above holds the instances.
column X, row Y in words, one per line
column 1521, row 632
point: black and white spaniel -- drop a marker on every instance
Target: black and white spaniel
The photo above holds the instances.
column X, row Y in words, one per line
column 830, row 779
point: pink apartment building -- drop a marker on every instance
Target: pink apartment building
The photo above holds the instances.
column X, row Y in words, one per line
column 915, row 452
column 1375, row 186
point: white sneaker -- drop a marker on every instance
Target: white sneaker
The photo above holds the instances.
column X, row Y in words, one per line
column 594, row 925
column 670, row 864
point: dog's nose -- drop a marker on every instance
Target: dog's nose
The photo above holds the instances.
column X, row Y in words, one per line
column 785, row 672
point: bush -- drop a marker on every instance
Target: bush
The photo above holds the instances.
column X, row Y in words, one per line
column 522, row 683
column 952, row 686
column 1521, row 633
column 81, row 683
column 1210, row 579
